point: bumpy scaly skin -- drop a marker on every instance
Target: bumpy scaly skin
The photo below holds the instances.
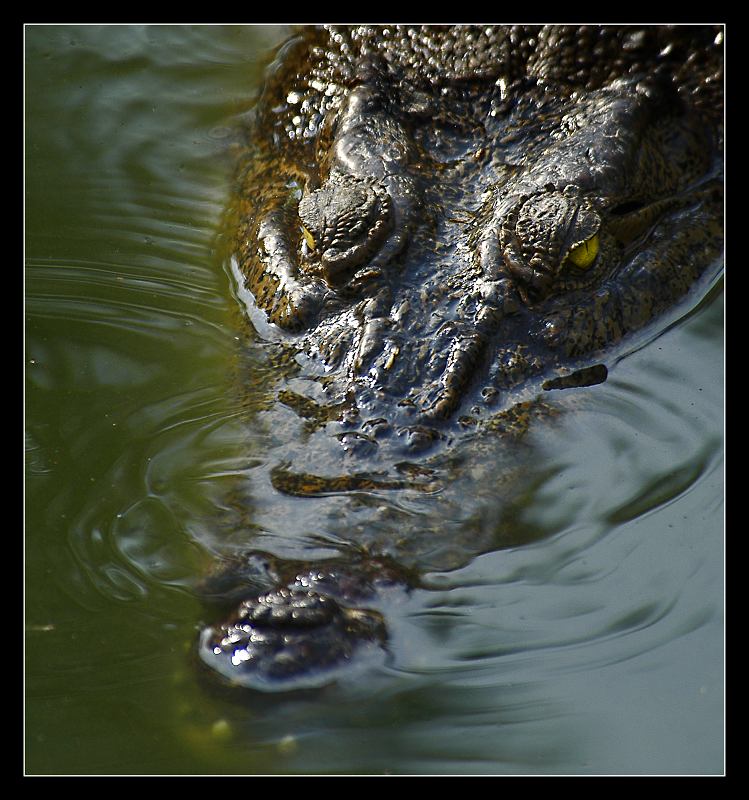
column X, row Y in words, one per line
column 440, row 215
column 414, row 185
column 300, row 620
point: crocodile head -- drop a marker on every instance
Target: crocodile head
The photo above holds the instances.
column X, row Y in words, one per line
column 431, row 231
column 435, row 244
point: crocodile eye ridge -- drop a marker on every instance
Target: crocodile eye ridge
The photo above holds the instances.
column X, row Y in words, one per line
column 344, row 223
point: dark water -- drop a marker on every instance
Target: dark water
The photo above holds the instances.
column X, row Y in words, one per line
column 594, row 646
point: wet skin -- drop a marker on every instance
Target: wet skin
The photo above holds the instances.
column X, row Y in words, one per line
column 433, row 218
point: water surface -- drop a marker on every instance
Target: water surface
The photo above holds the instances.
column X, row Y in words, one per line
column 578, row 624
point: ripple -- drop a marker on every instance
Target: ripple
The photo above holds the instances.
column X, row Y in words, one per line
column 136, row 530
column 112, row 349
column 627, row 497
column 665, row 487
column 578, row 603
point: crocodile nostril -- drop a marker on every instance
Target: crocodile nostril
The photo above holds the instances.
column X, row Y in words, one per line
column 288, row 638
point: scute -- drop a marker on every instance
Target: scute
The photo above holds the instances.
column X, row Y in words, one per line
column 483, row 209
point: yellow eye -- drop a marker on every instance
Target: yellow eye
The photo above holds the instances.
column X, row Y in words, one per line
column 584, row 254
column 309, row 238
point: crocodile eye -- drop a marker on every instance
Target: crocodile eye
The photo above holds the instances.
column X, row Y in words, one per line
column 584, row 254
column 308, row 237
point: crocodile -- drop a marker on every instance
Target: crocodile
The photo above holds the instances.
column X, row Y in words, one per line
column 430, row 222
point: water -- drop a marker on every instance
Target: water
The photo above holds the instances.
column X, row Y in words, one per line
column 580, row 630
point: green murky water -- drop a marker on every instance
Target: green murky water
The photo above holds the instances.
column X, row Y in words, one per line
column 595, row 648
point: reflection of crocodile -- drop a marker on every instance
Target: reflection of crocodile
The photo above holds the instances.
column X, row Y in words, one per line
column 433, row 218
